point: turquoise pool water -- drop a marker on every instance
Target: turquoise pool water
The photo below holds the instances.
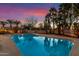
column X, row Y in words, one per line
column 34, row 45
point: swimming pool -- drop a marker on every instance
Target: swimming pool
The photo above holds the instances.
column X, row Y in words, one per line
column 35, row 45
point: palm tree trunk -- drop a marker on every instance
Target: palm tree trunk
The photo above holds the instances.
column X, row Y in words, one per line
column 3, row 25
column 11, row 26
column 53, row 27
column 59, row 29
column 17, row 28
column 63, row 28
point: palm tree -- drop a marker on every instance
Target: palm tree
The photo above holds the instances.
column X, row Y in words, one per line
column 53, row 16
column 50, row 18
column 62, row 17
column 3, row 23
column 10, row 22
column 72, row 10
column 47, row 23
column 59, row 20
column 17, row 23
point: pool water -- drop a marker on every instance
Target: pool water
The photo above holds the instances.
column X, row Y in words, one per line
column 34, row 45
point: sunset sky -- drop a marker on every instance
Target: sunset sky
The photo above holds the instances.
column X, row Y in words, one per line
column 22, row 11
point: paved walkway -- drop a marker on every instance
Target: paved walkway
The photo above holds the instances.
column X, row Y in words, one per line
column 8, row 48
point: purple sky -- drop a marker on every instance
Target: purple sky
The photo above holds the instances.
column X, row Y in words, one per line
column 23, row 10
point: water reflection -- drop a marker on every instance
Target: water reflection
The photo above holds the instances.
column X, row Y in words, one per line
column 21, row 37
column 37, row 45
column 57, row 47
column 15, row 39
column 46, row 42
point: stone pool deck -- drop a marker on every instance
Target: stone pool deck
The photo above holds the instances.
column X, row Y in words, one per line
column 7, row 47
column 75, row 49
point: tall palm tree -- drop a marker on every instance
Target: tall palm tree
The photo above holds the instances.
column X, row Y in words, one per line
column 59, row 20
column 10, row 22
column 17, row 23
column 47, row 22
column 72, row 10
column 62, row 18
column 53, row 16
column 3, row 23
